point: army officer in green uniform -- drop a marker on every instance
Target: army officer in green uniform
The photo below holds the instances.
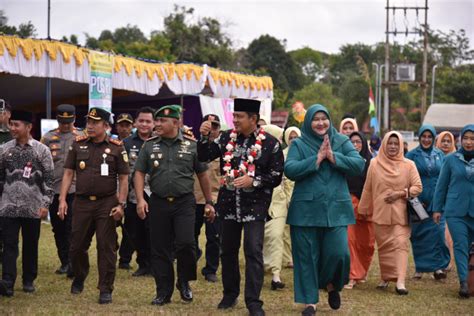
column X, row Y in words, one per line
column 171, row 161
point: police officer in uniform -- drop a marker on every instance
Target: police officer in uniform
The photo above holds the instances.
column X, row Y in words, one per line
column 58, row 141
column 98, row 162
column 135, row 228
column 171, row 161
column 124, row 125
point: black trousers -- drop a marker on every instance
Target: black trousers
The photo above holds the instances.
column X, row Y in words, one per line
column 212, row 240
column 62, row 228
column 1, row 240
column 136, row 237
column 253, row 245
column 172, row 232
column 30, row 233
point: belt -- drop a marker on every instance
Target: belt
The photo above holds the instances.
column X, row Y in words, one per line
column 170, row 199
column 94, row 197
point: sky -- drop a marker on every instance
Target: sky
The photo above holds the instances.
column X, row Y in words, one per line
column 323, row 25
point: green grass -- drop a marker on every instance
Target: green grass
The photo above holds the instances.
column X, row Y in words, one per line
column 133, row 295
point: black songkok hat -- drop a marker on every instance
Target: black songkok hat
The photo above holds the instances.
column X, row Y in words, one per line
column 246, row 105
column 20, row 115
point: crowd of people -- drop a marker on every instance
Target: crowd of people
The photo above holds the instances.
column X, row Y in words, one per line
column 318, row 200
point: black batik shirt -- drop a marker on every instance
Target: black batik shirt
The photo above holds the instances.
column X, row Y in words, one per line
column 250, row 204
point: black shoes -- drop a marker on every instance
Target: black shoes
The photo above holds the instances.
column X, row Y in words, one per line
column 5, row 290
column 161, row 300
column 277, row 285
column 309, row 311
column 211, row 277
column 28, row 287
column 185, row 291
column 227, row 303
column 464, row 290
column 256, row 312
column 69, row 273
column 141, row 272
column 63, row 269
column 124, row 266
column 439, row 275
column 334, row 299
column 401, row 291
column 77, row 287
column 105, row 298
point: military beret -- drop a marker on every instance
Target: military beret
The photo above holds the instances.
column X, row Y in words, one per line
column 173, row 111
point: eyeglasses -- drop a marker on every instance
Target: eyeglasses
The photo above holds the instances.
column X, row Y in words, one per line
column 356, row 142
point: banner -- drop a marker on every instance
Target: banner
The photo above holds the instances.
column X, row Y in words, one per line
column 225, row 107
column 100, row 81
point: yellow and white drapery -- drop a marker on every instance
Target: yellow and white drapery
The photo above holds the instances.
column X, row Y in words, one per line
column 44, row 58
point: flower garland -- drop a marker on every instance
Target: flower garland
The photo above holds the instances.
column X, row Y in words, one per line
column 246, row 166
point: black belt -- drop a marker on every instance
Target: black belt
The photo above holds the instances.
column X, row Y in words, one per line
column 94, row 197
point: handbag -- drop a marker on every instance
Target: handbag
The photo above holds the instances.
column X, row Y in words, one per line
column 416, row 211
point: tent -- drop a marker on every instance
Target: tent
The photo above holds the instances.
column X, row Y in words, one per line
column 26, row 63
column 449, row 117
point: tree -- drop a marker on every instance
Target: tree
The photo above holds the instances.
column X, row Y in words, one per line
column 268, row 55
column 455, row 85
column 24, row 29
column 311, row 63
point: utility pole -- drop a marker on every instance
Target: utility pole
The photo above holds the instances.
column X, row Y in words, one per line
column 387, row 82
column 48, row 79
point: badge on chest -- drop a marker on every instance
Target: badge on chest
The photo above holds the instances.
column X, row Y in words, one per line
column 104, row 167
column 27, row 170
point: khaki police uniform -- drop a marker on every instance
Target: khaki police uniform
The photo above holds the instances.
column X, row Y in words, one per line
column 59, row 144
column 95, row 197
column 171, row 164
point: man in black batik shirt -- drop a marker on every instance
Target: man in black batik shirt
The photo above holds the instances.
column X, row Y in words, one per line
column 251, row 166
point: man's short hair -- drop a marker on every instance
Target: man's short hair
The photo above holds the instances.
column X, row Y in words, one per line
column 145, row 109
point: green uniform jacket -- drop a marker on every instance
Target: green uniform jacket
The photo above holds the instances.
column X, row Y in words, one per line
column 321, row 196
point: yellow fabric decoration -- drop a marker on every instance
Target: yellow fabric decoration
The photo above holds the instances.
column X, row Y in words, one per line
column 36, row 48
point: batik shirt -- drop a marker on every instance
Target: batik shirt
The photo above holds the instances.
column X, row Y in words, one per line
column 26, row 179
column 249, row 204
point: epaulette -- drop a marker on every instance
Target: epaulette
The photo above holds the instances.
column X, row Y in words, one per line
column 115, row 141
column 190, row 137
column 81, row 138
column 152, row 137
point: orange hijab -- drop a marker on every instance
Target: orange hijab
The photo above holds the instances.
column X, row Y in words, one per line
column 390, row 166
column 440, row 138
column 350, row 120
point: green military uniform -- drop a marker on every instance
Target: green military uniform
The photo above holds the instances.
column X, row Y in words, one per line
column 96, row 195
column 171, row 164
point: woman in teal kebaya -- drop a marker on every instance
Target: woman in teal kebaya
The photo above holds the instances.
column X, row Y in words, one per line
column 320, row 208
column 427, row 238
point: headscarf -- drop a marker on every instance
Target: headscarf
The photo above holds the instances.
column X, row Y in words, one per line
column 432, row 130
column 375, row 146
column 440, row 137
column 288, row 132
column 310, row 137
column 388, row 164
column 274, row 130
column 350, row 120
column 468, row 155
column 356, row 183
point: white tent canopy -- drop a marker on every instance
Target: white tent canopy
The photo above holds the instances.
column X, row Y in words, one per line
column 451, row 117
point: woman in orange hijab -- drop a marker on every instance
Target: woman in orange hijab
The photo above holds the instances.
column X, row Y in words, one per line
column 446, row 142
column 391, row 179
column 348, row 126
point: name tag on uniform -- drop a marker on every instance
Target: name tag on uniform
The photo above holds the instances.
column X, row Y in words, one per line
column 104, row 169
column 27, row 170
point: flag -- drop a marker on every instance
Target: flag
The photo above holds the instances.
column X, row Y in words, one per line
column 373, row 113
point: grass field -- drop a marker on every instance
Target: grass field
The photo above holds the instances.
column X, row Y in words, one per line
column 133, row 295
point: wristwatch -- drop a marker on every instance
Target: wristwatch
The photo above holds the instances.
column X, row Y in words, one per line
column 123, row 204
column 210, row 202
column 256, row 183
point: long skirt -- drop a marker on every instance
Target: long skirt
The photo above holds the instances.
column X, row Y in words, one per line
column 429, row 246
column 361, row 244
column 320, row 257
column 392, row 247
column 276, row 245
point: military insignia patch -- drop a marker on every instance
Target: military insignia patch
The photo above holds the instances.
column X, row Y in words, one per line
column 125, row 156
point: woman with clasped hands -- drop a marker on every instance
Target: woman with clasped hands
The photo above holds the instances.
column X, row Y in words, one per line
column 320, row 208
column 391, row 179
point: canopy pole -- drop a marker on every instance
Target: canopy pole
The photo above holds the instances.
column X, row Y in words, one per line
column 48, row 80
